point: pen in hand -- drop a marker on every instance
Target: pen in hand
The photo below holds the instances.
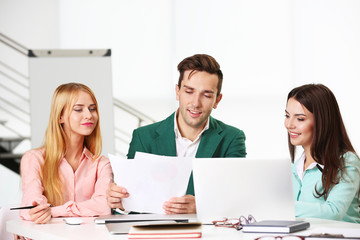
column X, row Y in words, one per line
column 27, row 207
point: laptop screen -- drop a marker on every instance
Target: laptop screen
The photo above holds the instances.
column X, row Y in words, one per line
column 234, row 187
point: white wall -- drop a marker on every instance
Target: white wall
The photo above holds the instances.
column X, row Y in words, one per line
column 139, row 34
column 10, row 187
column 31, row 23
column 265, row 48
column 149, row 39
column 327, row 50
column 252, row 42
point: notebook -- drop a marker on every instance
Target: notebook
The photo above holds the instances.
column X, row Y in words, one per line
column 165, row 231
column 270, row 226
column 124, row 227
column 234, row 187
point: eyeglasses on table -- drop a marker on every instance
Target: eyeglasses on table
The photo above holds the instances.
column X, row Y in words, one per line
column 294, row 237
column 236, row 223
column 288, row 237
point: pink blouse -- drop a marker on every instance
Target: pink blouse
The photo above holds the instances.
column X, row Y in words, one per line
column 84, row 191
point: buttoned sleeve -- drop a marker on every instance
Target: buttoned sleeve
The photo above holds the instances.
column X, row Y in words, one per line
column 342, row 202
column 32, row 188
column 97, row 204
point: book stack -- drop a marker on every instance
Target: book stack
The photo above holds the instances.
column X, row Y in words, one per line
column 165, row 231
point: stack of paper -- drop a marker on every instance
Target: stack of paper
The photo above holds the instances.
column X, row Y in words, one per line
column 151, row 180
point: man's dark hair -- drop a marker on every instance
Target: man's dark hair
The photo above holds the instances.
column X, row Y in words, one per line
column 200, row 62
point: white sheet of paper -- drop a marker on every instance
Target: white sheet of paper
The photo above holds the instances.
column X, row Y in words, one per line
column 151, row 180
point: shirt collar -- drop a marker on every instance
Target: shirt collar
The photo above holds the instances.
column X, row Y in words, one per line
column 177, row 131
column 87, row 153
column 300, row 165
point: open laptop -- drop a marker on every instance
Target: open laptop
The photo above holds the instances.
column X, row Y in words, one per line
column 144, row 218
column 120, row 224
column 234, row 187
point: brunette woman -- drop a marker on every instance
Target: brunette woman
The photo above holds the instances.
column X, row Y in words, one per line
column 326, row 177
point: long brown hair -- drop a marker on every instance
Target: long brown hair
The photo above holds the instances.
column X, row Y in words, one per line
column 330, row 141
column 64, row 98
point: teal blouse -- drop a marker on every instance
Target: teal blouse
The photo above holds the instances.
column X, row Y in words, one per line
column 342, row 203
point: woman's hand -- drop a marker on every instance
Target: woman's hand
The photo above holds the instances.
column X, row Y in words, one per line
column 41, row 213
column 17, row 237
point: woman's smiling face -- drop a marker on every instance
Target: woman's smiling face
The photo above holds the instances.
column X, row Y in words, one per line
column 299, row 123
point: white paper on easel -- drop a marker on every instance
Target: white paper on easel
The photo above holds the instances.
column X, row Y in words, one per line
column 151, row 180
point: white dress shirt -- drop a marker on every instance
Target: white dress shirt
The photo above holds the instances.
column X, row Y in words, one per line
column 184, row 146
column 300, row 166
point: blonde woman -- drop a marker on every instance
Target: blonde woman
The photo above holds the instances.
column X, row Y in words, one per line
column 67, row 176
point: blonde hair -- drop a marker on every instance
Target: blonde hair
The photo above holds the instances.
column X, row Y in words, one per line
column 64, row 99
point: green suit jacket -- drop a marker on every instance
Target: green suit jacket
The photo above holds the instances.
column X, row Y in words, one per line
column 219, row 141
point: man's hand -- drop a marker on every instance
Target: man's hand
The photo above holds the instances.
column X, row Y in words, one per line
column 114, row 194
column 185, row 204
column 40, row 213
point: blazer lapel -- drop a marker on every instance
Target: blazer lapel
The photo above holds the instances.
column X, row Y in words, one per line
column 209, row 140
column 166, row 140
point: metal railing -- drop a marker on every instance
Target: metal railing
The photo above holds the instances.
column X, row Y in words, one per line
column 13, row 44
column 142, row 118
column 13, row 80
column 21, row 115
column 122, row 130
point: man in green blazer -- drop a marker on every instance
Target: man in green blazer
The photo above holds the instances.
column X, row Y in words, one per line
column 190, row 131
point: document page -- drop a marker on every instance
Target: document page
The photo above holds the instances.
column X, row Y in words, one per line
column 151, row 180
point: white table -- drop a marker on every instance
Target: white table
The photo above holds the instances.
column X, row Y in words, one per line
column 56, row 229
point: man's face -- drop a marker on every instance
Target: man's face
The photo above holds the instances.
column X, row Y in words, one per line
column 197, row 97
